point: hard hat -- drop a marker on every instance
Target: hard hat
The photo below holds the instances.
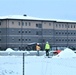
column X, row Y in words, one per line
column 47, row 42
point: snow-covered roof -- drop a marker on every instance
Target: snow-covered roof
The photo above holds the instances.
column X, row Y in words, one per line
column 32, row 18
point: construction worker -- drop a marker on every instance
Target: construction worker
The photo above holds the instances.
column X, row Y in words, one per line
column 47, row 48
column 38, row 49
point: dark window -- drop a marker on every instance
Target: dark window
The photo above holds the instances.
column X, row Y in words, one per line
column 56, row 39
column 22, row 23
column 59, row 39
column 25, row 39
column 22, row 39
column 59, row 25
column 68, row 26
column 68, row 33
column 0, row 39
column 38, row 33
column 74, row 26
column 62, row 33
column 56, row 25
column 39, row 25
column 65, row 33
column 25, row 23
column 29, row 23
column 68, row 39
column 19, row 31
column 12, row 22
column 0, row 31
column 74, row 33
column 0, row 23
column 71, row 26
column 29, row 39
column 59, row 33
column 71, row 33
column 62, row 39
column 25, row 31
column 19, row 39
column 65, row 26
column 22, row 31
column 29, row 31
column 56, row 33
column 49, row 24
column 19, row 23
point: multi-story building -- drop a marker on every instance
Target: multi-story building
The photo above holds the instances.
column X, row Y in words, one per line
column 19, row 31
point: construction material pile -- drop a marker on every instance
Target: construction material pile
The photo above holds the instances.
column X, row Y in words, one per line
column 66, row 53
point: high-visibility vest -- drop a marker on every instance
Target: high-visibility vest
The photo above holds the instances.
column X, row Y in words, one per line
column 47, row 46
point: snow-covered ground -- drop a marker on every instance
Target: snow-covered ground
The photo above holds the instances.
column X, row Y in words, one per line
column 61, row 64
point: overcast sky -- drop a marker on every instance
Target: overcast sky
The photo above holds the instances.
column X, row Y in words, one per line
column 53, row 9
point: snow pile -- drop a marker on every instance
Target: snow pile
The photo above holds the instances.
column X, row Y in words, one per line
column 9, row 50
column 66, row 53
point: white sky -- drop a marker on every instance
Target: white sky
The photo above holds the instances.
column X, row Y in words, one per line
column 56, row 9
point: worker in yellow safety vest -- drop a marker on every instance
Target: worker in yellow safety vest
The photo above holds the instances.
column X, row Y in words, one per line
column 47, row 48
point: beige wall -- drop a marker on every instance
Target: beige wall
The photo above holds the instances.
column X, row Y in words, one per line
column 45, row 25
column 3, row 24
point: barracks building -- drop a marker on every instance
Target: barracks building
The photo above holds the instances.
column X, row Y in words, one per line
column 18, row 31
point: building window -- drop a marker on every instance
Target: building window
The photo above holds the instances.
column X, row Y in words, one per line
column 22, row 23
column 65, row 26
column 19, row 23
column 56, row 33
column 25, row 31
column 25, row 39
column 12, row 22
column 19, row 39
column 29, row 39
column 65, row 33
column 19, row 31
column 71, row 26
column 56, row 39
column 39, row 25
column 38, row 33
column 62, row 33
column 0, row 39
column 29, row 31
column 74, row 33
column 59, row 32
column 22, row 31
column 74, row 26
column 62, row 39
column 71, row 33
column 0, row 31
column 59, row 25
column 56, row 25
column 0, row 23
column 49, row 24
column 29, row 24
column 62, row 25
column 25, row 23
